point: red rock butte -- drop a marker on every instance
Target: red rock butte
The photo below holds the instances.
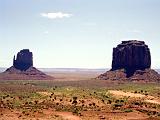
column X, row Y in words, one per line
column 131, row 60
column 24, row 60
column 23, row 69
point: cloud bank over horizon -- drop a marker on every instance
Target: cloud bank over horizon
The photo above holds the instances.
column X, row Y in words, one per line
column 56, row 15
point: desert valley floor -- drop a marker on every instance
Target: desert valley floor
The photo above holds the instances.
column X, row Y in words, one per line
column 78, row 96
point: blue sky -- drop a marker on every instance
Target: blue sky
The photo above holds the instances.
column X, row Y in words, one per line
column 76, row 33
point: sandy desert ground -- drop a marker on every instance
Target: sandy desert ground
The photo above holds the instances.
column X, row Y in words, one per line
column 78, row 96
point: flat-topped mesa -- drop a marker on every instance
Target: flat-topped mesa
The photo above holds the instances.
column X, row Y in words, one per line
column 24, row 60
column 131, row 55
column 23, row 69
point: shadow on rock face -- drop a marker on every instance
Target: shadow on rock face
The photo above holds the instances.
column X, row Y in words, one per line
column 24, row 60
column 23, row 69
column 128, row 58
column 131, row 55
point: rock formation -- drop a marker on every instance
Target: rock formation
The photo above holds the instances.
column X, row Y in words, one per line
column 23, row 69
column 24, row 60
column 131, row 61
column 131, row 55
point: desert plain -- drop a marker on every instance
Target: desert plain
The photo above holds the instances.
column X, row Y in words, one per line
column 77, row 95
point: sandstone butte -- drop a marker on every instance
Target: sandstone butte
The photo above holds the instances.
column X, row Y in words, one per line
column 131, row 61
column 23, row 69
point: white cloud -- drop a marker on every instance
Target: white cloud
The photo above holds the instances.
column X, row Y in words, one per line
column 55, row 15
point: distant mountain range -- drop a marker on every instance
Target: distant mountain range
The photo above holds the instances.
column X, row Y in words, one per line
column 71, row 70
column 65, row 70
column 2, row 69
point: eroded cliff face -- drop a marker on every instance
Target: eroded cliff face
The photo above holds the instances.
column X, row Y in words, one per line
column 131, row 55
column 24, row 60
column 131, row 61
column 23, row 69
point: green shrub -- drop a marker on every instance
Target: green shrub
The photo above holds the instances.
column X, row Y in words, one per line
column 128, row 110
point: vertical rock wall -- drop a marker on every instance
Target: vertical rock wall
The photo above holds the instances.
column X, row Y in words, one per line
column 131, row 55
column 24, row 60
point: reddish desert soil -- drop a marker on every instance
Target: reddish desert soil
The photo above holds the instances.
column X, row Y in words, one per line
column 88, row 115
column 46, row 115
column 80, row 80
